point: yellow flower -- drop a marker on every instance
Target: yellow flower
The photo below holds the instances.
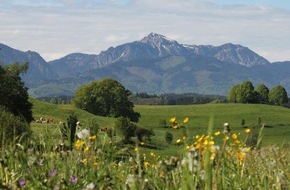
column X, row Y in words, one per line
column 248, row 131
column 172, row 120
column 85, row 161
column 86, row 149
column 217, row 133
column 175, row 127
column 95, row 164
column 152, row 154
column 235, row 136
column 226, row 138
column 178, row 141
column 142, row 143
column 185, row 120
column 79, row 144
column 92, row 137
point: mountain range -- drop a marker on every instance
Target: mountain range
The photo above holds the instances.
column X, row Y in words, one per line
column 154, row 64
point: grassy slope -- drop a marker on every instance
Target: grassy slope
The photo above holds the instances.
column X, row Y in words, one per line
column 276, row 118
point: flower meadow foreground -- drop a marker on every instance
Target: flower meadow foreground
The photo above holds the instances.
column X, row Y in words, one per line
column 98, row 161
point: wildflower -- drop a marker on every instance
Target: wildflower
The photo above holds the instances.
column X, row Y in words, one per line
column 95, row 164
column 142, row 143
column 79, row 144
column 235, row 136
column 248, row 131
column 172, row 120
column 217, row 133
column 175, row 127
column 227, row 128
column 152, row 154
column 90, row 186
column 83, row 134
column 92, row 137
column 84, row 161
column 22, row 182
column 185, row 120
column 52, row 173
column 226, row 138
column 178, row 141
column 86, row 149
column 130, row 179
column 73, row 179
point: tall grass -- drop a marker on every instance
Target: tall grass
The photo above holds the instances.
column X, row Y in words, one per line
column 99, row 162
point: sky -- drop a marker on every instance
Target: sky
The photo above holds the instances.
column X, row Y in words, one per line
column 55, row 28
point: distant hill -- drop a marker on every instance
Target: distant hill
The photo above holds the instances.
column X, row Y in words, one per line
column 154, row 64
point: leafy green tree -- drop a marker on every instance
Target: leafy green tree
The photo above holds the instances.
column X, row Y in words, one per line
column 232, row 96
column 263, row 93
column 13, row 93
column 278, row 95
column 246, row 93
column 106, row 98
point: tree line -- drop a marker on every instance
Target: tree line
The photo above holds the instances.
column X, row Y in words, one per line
column 246, row 93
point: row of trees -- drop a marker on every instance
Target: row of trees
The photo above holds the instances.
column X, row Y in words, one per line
column 246, row 93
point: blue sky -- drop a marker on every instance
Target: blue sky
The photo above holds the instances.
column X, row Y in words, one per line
column 55, row 28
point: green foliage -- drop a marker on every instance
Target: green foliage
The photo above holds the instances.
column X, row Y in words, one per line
column 168, row 137
column 69, row 131
column 14, row 96
column 263, row 93
column 143, row 134
column 106, row 98
column 126, row 127
column 162, row 123
column 243, row 122
column 246, row 93
column 232, row 96
column 93, row 126
column 278, row 95
column 12, row 127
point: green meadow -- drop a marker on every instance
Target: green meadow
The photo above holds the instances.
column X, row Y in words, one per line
column 199, row 157
column 276, row 120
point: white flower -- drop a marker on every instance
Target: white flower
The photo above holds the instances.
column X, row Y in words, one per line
column 83, row 134
column 90, row 186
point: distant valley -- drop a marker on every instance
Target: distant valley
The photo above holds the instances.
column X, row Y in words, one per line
column 154, row 64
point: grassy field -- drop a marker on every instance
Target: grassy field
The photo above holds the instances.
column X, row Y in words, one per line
column 207, row 162
column 275, row 118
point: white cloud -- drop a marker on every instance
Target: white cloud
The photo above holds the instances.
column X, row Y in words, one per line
column 95, row 25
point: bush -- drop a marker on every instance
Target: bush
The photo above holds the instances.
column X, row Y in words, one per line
column 11, row 127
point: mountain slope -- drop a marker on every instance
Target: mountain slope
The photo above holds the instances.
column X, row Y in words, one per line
column 154, row 64
column 38, row 71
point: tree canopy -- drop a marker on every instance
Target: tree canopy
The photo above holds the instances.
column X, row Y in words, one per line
column 13, row 93
column 245, row 93
column 278, row 95
column 106, row 98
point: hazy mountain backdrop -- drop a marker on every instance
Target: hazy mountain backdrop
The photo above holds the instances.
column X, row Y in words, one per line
column 154, row 64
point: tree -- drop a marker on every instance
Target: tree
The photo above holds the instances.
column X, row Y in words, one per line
column 278, row 95
column 106, row 98
column 263, row 93
column 232, row 96
column 246, row 93
column 13, row 93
